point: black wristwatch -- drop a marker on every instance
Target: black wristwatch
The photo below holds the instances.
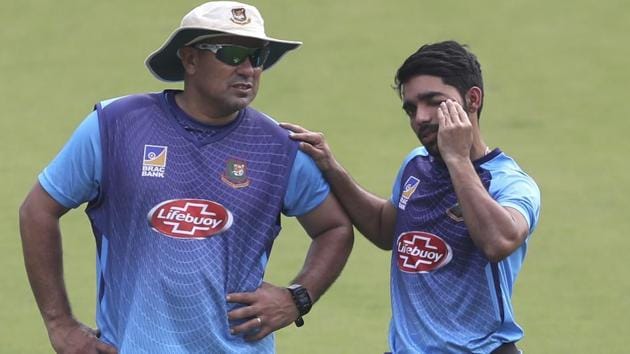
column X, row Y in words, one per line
column 302, row 301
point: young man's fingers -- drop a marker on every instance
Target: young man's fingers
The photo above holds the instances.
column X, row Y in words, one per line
column 462, row 114
column 451, row 118
column 451, row 106
column 293, row 127
column 442, row 120
column 307, row 148
column 310, row 137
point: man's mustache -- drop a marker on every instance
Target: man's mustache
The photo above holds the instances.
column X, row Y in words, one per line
column 427, row 129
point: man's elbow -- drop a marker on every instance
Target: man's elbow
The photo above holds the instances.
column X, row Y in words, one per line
column 385, row 246
column 495, row 255
column 501, row 249
column 24, row 212
column 378, row 240
column 347, row 235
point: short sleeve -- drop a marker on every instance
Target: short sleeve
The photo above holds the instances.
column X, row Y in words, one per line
column 73, row 176
column 307, row 187
column 513, row 188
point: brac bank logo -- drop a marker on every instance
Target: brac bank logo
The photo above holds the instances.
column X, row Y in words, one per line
column 190, row 218
column 154, row 161
column 408, row 189
column 422, row 252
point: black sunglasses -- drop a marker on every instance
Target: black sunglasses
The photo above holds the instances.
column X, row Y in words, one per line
column 234, row 55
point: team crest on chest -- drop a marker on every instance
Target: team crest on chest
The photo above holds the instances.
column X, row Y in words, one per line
column 408, row 189
column 154, row 161
column 235, row 174
column 455, row 213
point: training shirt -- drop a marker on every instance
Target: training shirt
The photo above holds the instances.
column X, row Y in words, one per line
column 180, row 218
column 446, row 296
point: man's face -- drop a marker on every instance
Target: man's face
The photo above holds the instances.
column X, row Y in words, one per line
column 422, row 96
column 225, row 88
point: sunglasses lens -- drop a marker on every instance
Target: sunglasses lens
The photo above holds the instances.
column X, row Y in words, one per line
column 261, row 56
column 234, row 55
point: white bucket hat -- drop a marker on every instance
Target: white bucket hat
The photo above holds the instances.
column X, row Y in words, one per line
column 213, row 18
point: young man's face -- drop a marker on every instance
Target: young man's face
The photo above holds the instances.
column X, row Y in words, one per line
column 422, row 96
column 227, row 88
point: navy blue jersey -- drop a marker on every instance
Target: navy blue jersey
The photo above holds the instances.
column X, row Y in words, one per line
column 446, row 296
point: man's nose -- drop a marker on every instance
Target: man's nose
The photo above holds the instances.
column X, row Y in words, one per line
column 246, row 67
column 422, row 116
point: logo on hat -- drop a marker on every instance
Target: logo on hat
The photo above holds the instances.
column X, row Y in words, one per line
column 239, row 17
column 235, row 174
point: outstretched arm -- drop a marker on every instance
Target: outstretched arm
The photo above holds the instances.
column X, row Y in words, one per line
column 41, row 244
column 373, row 216
column 270, row 307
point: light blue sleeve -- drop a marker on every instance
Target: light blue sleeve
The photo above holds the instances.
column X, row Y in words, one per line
column 73, row 176
column 396, row 187
column 307, row 187
column 511, row 187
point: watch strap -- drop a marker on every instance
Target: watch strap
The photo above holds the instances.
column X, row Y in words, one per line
column 302, row 301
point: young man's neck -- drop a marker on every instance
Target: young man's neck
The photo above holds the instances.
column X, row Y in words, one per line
column 479, row 148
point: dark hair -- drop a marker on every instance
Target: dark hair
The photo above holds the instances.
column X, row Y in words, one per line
column 449, row 60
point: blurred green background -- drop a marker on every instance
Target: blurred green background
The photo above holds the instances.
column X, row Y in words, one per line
column 556, row 76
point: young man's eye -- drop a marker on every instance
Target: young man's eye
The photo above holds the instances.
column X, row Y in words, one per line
column 409, row 110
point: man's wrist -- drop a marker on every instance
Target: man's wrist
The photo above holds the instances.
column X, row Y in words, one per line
column 56, row 320
column 336, row 175
column 302, row 301
column 459, row 165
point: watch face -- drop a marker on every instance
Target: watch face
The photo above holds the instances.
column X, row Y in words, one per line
column 301, row 298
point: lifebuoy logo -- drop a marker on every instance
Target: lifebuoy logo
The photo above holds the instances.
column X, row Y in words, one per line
column 422, row 252
column 190, row 218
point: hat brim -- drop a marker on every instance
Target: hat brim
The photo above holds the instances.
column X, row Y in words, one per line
column 165, row 65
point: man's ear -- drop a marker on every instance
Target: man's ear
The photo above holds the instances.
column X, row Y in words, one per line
column 189, row 59
column 474, row 98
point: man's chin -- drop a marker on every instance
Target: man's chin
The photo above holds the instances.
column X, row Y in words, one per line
column 239, row 103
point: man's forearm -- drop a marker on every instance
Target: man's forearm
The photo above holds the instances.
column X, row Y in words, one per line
column 367, row 211
column 326, row 257
column 491, row 226
column 41, row 245
column 373, row 216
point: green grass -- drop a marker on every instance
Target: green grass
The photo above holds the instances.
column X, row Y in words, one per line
column 556, row 99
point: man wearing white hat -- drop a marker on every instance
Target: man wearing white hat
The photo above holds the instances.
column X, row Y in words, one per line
column 184, row 191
